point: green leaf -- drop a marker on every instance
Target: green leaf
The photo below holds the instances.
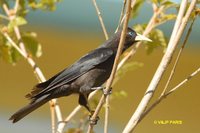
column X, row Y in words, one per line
column 49, row 5
column 168, row 4
column 22, row 8
column 130, row 66
column 119, row 94
column 157, row 36
column 32, row 44
column 18, row 21
column 4, row 2
column 8, row 53
column 195, row 12
column 157, row 1
column 139, row 28
column 165, row 17
column 158, row 40
column 15, row 56
column 136, row 8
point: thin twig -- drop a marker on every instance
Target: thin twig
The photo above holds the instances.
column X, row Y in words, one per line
column 168, row 93
column 121, row 15
column 164, row 94
column 14, row 44
column 107, row 108
column 184, row 81
column 179, row 27
column 178, row 57
column 4, row 17
column 100, row 19
column 37, row 70
column 12, row 16
column 16, row 6
column 53, row 123
column 111, row 78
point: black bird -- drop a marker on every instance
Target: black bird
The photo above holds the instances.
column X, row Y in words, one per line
column 90, row 71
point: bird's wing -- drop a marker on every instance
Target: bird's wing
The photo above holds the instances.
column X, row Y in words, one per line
column 79, row 68
column 82, row 66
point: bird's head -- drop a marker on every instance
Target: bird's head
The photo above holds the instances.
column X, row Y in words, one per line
column 133, row 37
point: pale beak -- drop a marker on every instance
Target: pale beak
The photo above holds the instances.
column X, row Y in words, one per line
column 140, row 37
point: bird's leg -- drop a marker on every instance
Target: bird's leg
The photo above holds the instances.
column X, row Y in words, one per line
column 84, row 102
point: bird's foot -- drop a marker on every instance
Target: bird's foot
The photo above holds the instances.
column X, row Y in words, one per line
column 97, row 88
column 107, row 92
column 92, row 120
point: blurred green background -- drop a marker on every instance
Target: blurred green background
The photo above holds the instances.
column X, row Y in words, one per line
column 71, row 31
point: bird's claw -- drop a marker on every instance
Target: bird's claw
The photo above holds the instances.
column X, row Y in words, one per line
column 93, row 121
column 107, row 92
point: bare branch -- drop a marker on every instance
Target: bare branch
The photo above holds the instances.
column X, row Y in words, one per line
column 16, row 6
column 11, row 16
column 178, row 57
column 121, row 15
column 168, row 93
column 107, row 108
column 164, row 94
column 184, row 81
column 100, row 19
column 4, row 17
column 14, row 44
column 177, row 32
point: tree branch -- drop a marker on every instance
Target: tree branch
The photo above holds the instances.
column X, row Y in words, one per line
column 100, row 19
column 107, row 109
column 178, row 57
column 176, row 34
column 22, row 50
column 164, row 94
column 162, row 97
column 121, row 15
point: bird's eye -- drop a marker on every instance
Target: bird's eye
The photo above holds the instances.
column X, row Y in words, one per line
column 130, row 33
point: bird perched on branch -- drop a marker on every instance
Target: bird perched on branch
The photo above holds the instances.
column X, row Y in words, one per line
column 82, row 77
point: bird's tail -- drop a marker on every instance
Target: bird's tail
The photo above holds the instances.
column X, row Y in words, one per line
column 29, row 108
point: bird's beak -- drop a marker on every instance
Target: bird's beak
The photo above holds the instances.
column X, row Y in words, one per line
column 140, row 37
